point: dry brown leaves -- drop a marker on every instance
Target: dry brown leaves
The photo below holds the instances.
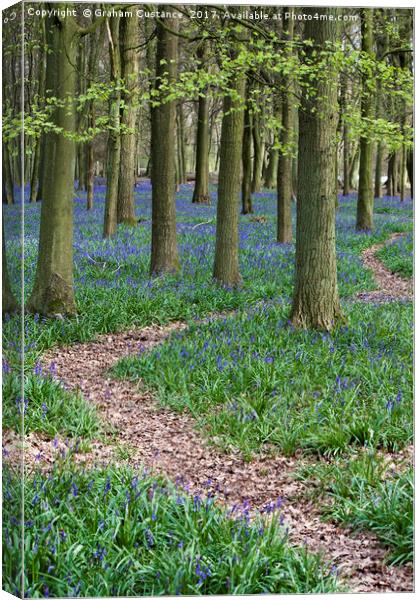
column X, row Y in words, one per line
column 390, row 285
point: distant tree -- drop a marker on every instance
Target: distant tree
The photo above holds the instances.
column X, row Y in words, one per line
column 36, row 191
column 226, row 264
column 259, row 145
column 316, row 302
column 284, row 169
column 129, row 42
column 95, row 46
column 247, row 159
column 364, row 221
column 114, row 137
column 8, row 188
column 201, row 193
column 164, row 256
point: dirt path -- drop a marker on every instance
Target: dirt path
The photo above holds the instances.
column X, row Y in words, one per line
column 390, row 286
column 168, row 442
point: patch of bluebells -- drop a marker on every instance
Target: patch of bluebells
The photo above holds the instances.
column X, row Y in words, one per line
column 249, row 378
column 112, row 276
column 193, row 547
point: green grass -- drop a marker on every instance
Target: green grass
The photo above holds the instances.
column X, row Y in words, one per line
column 48, row 408
column 250, row 380
column 398, row 256
column 366, row 496
column 114, row 533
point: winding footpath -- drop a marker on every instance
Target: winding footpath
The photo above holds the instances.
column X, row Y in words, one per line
column 147, row 435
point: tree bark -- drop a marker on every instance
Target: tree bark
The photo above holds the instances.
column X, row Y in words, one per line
column 114, row 137
column 180, row 145
column 53, row 291
column 164, row 255
column 258, row 153
column 247, row 163
column 130, row 73
column 7, row 175
column 201, row 193
column 410, row 171
column 270, row 178
column 316, row 302
column 284, row 174
column 96, row 43
column 226, row 263
column 39, row 147
column 364, row 220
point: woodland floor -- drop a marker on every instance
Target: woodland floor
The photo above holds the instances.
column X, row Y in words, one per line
column 164, row 441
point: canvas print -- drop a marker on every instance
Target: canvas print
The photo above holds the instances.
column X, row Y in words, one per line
column 207, row 299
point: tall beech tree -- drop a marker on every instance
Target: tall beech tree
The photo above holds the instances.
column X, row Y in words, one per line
column 247, row 159
column 316, row 302
column 95, row 46
column 259, row 145
column 129, row 42
column 284, row 169
column 201, row 193
column 114, row 137
column 39, row 147
column 364, row 220
column 53, row 291
column 164, row 254
column 226, row 263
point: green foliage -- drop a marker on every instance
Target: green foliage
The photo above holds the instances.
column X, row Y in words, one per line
column 365, row 494
column 115, row 532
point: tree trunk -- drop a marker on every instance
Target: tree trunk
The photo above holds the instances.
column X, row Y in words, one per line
column 270, row 178
column 258, row 153
column 353, row 165
column 410, row 171
column 364, row 221
column 346, row 159
column 39, row 146
column 43, row 171
column 247, row 163
column 7, row 175
column 201, row 193
column 114, row 137
column 226, row 264
column 9, row 303
column 96, row 43
column 284, row 174
column 316, row 302
column 130, row 72
column 402, row 172
column 346, row 141
column 164, row 255
column 180, row 146
column 378, row 170
column 53, row 288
